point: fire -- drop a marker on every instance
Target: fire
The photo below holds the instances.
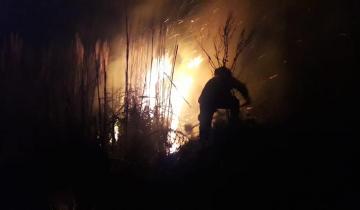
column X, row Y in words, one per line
column 194, row 63
column 182, row 85
column 185, row 82
column 160, row 68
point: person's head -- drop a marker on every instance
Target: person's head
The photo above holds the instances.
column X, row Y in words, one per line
column 223, row 72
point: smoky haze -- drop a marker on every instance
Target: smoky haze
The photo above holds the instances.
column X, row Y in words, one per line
column 285, row 33
column 262, row 66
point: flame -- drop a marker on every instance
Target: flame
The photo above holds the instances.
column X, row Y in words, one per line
column 182, row 85
column 195, row 62
column 160, row 68
column 185, row 82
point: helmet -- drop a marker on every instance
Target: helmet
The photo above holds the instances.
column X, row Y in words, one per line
column 223, row 72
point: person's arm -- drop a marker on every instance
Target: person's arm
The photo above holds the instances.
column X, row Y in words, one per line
column 207, row 91
column 241, row 87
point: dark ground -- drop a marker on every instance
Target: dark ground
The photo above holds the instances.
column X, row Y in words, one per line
column 250, row 169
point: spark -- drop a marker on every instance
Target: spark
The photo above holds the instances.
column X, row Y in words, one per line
column 261, row 57
column 174, row 36
column 249, row 108
column 273, row 76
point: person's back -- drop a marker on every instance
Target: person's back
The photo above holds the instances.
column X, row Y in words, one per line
column 217, row 94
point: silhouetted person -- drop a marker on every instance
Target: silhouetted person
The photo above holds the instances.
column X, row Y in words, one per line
column 217, row 94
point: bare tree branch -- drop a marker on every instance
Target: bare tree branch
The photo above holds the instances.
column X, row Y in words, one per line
column 211, row 62
column 241, row 46
column 217, row 53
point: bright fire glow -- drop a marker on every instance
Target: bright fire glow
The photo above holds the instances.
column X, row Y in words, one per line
column 160, row 68
column 185, row 83
column 182, row 85
column 194, row 63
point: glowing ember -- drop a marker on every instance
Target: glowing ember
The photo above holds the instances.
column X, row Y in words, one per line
column 116, row 131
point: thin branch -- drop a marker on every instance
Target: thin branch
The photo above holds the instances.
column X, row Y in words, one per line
column 127, row 75
column 217, row 53
column 172, row 77
column 208, row 55
column 173, row 84
column 241, row 46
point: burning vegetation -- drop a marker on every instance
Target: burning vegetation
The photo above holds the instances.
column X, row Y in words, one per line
column 139, row 88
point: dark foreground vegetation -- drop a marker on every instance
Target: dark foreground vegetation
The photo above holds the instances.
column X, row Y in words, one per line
column 239, row 168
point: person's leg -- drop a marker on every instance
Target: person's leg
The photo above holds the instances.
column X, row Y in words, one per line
column 235, row 111
column 205, row 119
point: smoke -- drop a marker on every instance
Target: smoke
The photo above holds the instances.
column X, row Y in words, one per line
column 286, row 33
